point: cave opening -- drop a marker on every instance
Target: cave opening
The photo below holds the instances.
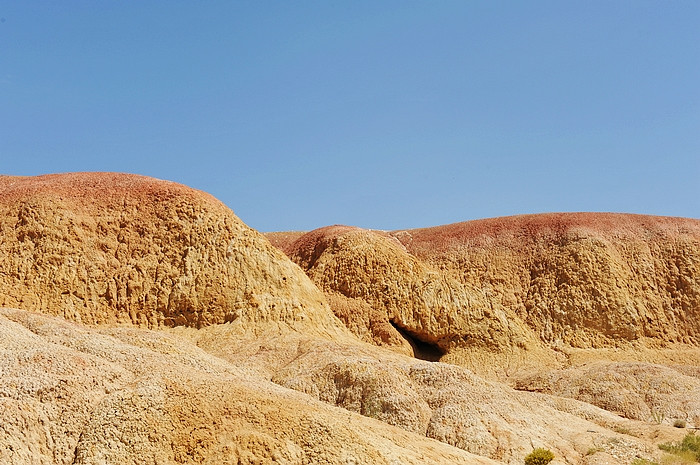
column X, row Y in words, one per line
column 422, row 349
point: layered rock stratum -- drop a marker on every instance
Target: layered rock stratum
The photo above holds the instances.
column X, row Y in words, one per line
column 143, row 322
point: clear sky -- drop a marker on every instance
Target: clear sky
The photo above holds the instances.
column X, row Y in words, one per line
column 380, row 114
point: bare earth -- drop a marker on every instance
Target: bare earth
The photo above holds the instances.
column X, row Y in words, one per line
column 143, row 322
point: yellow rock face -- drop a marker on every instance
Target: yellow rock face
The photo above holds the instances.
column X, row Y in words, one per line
column 176, row 334
column 583, row 279
column 117, row 248
column 578, row 280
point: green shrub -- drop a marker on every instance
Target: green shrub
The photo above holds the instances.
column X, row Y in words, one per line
column 679, row 423
column 539, row 456
column 690, row 445
column 640, row 461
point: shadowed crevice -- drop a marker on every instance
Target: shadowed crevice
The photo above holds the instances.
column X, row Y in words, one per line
column 422, row 349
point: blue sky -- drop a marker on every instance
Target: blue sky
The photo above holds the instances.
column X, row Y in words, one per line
column 380, row 114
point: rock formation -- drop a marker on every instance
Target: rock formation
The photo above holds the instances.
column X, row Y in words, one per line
column 641, row 391
column 116, row 248
column 432, row 310
column 147, row 323
column 584, row 279
column 581, row 280
column 73, row 394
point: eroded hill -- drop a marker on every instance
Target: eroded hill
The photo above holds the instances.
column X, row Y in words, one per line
column 573, row 280
column 149, row 324
column 583, row 279
column 118, row 248
column 529, row 300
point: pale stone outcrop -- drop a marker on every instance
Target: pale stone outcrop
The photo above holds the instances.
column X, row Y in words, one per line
column 71, row 394
column 637, row 390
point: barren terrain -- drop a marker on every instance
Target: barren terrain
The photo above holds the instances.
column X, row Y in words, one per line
column 143, row 322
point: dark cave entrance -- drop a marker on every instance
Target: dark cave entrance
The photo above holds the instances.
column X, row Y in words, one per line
column 422, row 349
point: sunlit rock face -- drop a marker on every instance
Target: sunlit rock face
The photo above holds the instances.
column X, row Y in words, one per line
column 577, row 279
column 118, row 248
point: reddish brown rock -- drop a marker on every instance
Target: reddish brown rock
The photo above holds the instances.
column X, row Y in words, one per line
column 215, row 326
column 584, row 279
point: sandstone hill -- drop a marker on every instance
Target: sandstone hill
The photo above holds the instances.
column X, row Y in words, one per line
column 531, row 300
column 145, row 323
column 575, row 280
column 117, row 248
column 584, row 279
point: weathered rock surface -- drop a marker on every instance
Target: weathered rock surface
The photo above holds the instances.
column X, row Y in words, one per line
column 641, row 391
column 118, row 248
column 70, row 394
column 193, row 340
column 440, row 401
column 581, row 280
column 546, row 302
column 426, row 307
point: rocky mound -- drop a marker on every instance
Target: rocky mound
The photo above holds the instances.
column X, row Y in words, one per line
column 118, row 248
column 584, row 279
column 378, row 288
column 72, row 394
column 581, row 280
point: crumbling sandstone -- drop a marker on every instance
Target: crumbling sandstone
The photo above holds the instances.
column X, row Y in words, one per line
column 72, row 394
column 583, row 279
column 505, row 284
column 114, row 248
column 190, row 339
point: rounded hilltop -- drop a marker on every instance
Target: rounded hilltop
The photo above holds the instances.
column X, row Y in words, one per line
column 123, row 248
column 577, row 279
column 521, row 229
column 530, row 300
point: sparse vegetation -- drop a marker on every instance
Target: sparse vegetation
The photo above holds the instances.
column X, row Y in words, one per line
column 658, row 417
column 679, row 423
column 641, row 461
column 678, row 459
column 594, row 450
column 622, row 430
column 688, row 448
column 539, row 456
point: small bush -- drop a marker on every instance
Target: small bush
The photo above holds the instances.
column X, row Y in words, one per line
column 622, row 430
column 658, row 417
column 679, row 423
column 539, row 456
column 689, row 446
column 640, row 461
